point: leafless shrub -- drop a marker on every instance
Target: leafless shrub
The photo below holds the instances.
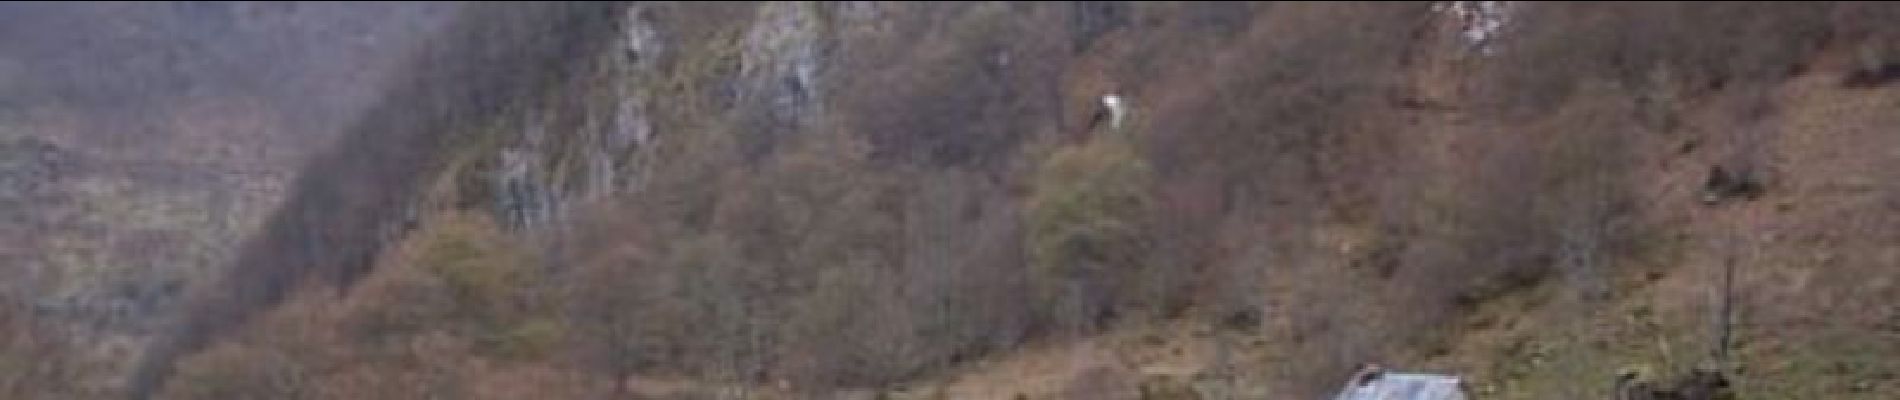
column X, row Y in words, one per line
column 237, row 372
column 1286, row 135
column 961, row 91
column 1552, row 49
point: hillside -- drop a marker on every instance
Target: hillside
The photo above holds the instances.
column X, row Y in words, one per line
column 140, row 141
column 927, row 200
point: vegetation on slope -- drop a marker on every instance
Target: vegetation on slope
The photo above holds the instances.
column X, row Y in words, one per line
column 1341, row 182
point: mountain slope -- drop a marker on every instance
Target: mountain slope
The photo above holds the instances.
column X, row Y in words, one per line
column 912, row 200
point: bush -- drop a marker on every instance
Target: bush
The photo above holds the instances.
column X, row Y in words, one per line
column 532, row 339
column 487, row 278
column 462, row 276
column 241, row 372
column 1087, row 226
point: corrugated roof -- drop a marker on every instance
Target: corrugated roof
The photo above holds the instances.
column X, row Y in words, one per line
column 1404, row 386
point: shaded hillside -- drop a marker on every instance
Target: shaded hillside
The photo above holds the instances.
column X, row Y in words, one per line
column 139, row 141
column 353, row 198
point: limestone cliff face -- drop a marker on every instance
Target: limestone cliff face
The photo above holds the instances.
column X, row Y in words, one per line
column 550, row 164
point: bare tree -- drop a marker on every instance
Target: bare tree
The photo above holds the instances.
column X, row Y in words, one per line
column 608, row 307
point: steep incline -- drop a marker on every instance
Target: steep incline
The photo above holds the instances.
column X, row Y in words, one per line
column 845, row 200
column 354, row 198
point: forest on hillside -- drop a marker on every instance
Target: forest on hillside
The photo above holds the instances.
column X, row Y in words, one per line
column 921, row 200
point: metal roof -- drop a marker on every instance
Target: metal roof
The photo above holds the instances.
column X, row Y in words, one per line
column 1405, row 386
